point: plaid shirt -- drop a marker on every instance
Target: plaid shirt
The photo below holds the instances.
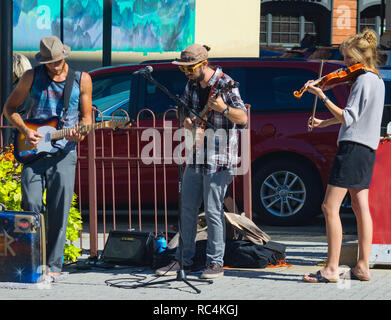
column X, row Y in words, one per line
column 223, row 150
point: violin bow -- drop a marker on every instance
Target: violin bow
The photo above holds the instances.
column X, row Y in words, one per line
column 316, row 97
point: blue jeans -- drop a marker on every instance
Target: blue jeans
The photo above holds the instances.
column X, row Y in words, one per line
column 211, row 188
column 56, row 174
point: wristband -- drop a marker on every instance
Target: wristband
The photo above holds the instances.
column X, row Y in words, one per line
column 324, row 99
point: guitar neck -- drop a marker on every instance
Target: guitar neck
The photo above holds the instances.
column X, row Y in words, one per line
column 60, row 134
column 215, row 96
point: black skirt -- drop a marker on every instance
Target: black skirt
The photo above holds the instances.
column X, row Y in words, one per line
column 352, row 166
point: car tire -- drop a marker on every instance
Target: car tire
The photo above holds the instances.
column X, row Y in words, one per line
column 286, row 192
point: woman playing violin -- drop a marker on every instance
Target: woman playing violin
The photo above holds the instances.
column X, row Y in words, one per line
column 352, row 168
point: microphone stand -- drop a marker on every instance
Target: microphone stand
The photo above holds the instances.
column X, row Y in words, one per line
column 179, row 103
column 181, row 276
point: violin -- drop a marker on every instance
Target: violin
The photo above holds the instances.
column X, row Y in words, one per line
column 339, row 76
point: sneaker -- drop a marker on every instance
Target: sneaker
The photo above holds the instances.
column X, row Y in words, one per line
column 56, row 277
column 171, row 269
column 212, row 271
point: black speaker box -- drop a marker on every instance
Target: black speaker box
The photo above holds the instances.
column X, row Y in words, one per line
column 133, row 248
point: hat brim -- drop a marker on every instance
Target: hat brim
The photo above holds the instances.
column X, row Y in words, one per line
column 42, row 60
column 186, row 63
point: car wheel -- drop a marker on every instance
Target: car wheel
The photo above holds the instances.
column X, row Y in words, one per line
column 286, row 192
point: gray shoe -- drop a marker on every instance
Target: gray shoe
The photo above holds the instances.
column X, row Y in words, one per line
column 212, row 271
column 56, row 277
column 171, row 269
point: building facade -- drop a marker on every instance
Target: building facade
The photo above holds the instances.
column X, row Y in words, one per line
column 285, row 22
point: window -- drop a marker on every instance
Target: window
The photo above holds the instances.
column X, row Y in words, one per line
column 107, row 85
column 370, row 23
column 387, row 108
column 83, row 27
column 263, row 33
column 155, row 99
column 283, row 29
column 33, row 20
column 82, row 23
column 152, row 26
column 110, row 90
column 271, row 90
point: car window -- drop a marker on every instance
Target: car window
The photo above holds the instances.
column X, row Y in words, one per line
column 384, row 58
column 110, row 84
column 116, row 105
column 158, row 101
column 271, row 89
column 387, row 108
column 109, row 91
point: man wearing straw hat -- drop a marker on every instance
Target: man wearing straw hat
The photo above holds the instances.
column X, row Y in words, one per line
column 54, row 172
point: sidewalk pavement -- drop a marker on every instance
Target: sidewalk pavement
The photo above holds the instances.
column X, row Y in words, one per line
column 306, row 251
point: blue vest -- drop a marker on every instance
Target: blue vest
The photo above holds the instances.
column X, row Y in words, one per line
column 48, row 101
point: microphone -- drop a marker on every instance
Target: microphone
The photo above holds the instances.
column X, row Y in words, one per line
column 147, row 69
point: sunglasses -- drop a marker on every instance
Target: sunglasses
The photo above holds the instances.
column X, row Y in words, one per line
column 190, row 68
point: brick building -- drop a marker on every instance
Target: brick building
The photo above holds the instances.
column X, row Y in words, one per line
column 285, row 22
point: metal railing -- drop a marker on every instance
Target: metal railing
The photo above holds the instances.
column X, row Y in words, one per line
column 112, row 177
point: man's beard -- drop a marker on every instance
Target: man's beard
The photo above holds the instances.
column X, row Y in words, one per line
column 200, row 77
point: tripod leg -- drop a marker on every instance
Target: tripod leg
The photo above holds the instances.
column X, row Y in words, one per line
column 179, row 278
column 191, row 286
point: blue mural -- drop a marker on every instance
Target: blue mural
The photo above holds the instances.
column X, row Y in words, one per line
column 153, row 26
column 83, row 24
column 138, row 25
column 32, row 20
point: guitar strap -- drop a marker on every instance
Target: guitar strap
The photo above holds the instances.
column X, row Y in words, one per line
column 211, row 89
column 67, row 94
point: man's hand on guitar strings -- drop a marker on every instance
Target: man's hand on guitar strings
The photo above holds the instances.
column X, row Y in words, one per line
column 217, row 104
column 189, row 123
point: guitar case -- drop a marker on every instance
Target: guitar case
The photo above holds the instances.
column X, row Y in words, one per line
column 22, row 246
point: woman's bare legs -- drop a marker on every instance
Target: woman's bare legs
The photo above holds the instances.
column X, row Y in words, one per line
column 360, row 206
column 330, row 207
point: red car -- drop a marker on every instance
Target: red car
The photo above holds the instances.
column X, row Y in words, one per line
column 290, row 165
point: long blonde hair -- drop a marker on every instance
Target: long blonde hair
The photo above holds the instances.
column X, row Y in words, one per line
column 363, row 48
column 20, row 64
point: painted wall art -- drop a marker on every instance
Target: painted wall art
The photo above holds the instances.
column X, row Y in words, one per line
column 137, row 25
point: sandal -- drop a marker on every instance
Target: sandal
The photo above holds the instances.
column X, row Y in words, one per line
column 318, row 278
column 352, row 276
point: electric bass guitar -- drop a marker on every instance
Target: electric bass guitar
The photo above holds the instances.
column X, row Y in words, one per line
column 49, row 129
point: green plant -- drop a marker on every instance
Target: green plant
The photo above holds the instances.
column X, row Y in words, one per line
column 73, row 232
column 10, row 175
column 11, row 197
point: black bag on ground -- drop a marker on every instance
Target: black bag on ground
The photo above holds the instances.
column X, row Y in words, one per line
column 245, row 254
column 238, row 254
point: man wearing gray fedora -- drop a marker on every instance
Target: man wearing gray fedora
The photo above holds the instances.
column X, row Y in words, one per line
column 53, row 172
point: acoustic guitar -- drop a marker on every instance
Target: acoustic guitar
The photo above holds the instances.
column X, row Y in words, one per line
column 49, row 129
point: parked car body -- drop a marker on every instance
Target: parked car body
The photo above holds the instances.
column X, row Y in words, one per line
column 386, row 76
column 289, row 165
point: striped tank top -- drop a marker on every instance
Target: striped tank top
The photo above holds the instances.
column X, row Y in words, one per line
column 48, row 101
